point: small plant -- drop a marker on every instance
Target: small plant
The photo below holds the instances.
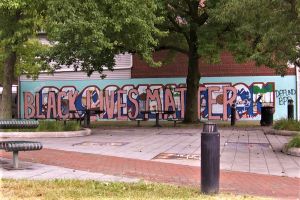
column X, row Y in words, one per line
column 295, row 142
column 50, row 126
column 285, row 124
column 58, row 126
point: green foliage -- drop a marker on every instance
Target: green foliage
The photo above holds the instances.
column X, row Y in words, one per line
column 31, row 60
column 88, row 34
column 50, row 126
column 19, row 22
column 295, row 142
column 261, row 30
column 290, row 125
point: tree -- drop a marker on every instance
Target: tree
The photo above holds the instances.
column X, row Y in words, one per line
column 19, row 21
column 260, row 30
column 89, row 34
column 267, row 32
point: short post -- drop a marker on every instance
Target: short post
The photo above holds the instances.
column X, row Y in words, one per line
column 210, row 159
column 233, row 114
column 16, row 159
column 87, row 119
column 138, row 123
column 290, row 109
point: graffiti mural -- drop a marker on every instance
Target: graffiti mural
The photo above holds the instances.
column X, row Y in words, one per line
column 127, row 102
column 284, row 95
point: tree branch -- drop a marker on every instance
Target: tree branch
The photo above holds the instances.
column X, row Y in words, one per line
column 202, row 19
column 178, row 27
column 171, row 47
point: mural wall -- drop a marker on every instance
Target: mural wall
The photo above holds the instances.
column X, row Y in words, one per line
column 125, row 99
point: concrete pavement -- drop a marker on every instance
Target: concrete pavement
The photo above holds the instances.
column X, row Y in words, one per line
column 167, row 155
column 241, row 150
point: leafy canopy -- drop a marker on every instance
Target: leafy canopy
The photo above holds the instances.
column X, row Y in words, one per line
column 267, row 31
column 20, row 20
column 88, row 34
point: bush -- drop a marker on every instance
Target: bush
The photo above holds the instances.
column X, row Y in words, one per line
column 50, row 126
column 290, row 125
column 295, row 142
column 58, row 126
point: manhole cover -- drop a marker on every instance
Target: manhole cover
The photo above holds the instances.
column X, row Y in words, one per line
column 101, row 144
column 177, row 156
column 183, row 134
column 249, row 145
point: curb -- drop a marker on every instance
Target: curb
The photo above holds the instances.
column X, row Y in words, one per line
column 291, row 151
column 84, row 132
column 272, row 131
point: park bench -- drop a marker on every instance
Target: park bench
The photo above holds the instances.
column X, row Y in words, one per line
column 16, row 146
column 138, row 120
column 175, row 120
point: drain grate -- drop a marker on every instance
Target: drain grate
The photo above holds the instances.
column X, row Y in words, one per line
column 177, row 156
column 101, row 144
column 249, row 145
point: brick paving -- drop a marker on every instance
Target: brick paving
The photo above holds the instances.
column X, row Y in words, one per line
column 241, row 150
column 235, row 182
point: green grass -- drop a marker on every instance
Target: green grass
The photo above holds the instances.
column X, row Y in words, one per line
column 290, row 125
column 50, row 126
column 294, row 142
column 168, row 124
column 76, row 189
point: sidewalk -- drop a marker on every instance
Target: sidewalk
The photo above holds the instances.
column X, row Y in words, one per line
column 37, row 171
column 251, row 162
column 242, row 150
column 235, row 182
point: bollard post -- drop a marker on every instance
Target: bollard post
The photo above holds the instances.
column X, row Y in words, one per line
column 290, row 109
column 210, row 159
column 233, row 112
column 87, row 119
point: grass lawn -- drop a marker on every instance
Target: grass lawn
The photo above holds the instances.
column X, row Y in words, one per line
column 285, row 124
column 75, row 189
column 294, row 142
column 169, row 124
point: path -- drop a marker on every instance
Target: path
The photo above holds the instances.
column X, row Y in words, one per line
column 235, row 182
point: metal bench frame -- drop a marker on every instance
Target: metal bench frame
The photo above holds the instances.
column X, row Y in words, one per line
column 16, row 146
column 175, row 120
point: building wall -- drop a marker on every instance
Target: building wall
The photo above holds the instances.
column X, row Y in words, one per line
column 123, row 98
column 178, row 68
column 298, row 92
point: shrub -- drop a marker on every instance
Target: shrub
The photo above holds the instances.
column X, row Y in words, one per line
column 295, row 142
column 58, row 126
column 50, row 126
column 285, row 124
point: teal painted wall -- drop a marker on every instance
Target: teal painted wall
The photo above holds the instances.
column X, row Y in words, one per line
column 276, row 91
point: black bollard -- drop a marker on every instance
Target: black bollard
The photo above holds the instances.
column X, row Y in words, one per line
column 87, row 119
column 290, row 109
column 233, row 112
column 210, row 159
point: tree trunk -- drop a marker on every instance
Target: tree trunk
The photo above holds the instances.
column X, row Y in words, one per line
column 8, row 76
column 193, row 78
